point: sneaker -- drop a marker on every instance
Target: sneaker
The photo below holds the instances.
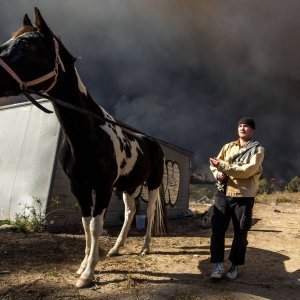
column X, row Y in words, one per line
column 218, row 271
column 232, row 272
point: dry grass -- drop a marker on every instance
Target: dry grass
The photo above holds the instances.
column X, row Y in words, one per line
column 42, row 265
column 198, row 191
column 278, row 197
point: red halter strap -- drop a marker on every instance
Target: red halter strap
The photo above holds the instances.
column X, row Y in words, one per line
column 54, row 73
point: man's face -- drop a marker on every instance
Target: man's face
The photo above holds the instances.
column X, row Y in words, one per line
column 245, row 131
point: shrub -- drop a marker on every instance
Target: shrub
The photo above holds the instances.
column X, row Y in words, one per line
column 294, row 185
column 197, row 192
column 263, row 186
column 31, row 219
column 269, row 186
column 274, row 185
column 4, row 222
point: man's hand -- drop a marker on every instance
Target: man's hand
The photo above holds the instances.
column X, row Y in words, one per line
column 221, row 176
column 214, row 162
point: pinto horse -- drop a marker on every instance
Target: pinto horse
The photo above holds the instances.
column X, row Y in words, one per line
column 97, row 154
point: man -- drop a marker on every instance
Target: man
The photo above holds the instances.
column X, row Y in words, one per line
column 237, row 168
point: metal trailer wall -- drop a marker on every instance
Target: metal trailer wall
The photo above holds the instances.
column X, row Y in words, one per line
column 28, row 149
column 29, row 170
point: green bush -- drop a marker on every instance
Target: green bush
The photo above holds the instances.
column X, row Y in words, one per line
column 30, row 219
column 269, row 186
column 199, row 191
column 3, row 222
column 274, row 186
column 263, row 186
column 294, row 185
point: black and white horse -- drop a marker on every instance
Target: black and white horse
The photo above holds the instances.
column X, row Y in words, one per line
column 96, row 154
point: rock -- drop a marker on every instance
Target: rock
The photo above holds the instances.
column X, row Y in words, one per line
column 6, row 227
column 205, row 200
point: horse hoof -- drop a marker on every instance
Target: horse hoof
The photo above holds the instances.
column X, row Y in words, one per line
column 80, row 271
column 82, row 283
column 145, row 252
column 112, row 253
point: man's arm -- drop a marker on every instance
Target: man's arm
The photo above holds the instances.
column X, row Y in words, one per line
column 213, row 165
column 245, row 170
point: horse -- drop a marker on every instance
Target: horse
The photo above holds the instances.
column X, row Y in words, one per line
column 97, row 153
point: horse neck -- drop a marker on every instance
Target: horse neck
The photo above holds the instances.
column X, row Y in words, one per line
column 77, row 127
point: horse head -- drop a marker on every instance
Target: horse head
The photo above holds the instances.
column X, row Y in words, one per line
column 34, row 57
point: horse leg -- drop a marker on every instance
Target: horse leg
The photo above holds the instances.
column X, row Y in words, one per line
column 86, row 226
column 153, row 195
column 84, row 198
column 96, row 227
column 130, row 209
column 87, row 276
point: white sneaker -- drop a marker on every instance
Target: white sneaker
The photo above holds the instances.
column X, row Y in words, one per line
column 218, row 271
column 232, row 272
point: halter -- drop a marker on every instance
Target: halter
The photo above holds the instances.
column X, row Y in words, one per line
column 24, row 85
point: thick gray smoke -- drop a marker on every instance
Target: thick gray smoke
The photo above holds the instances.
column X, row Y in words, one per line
column 186, row 71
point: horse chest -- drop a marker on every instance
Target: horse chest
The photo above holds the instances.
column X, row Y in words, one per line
column 88, row 165
column 127, row 151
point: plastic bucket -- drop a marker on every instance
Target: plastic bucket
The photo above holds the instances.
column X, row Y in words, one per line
column 140, row 221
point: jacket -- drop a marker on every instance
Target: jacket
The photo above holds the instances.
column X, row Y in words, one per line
column 243, row 178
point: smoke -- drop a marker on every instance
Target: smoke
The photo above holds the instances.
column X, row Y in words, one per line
column 186, row 71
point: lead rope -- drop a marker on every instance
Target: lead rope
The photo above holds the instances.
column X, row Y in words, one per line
column 97, row 117
column 27, row 93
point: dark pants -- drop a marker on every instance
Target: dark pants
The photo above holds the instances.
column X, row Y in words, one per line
column 239, row 210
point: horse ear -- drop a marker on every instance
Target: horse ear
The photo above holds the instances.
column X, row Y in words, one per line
column 26, row 21
column 41, row 24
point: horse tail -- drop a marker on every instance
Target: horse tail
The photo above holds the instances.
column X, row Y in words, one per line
column 160, row 227
column 155, row 182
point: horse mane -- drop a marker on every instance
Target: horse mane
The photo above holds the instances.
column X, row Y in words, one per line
column 24, row 29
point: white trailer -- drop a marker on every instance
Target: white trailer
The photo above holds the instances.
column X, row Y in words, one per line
column 31, row 176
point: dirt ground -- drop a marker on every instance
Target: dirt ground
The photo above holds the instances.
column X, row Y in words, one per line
column 42, row 265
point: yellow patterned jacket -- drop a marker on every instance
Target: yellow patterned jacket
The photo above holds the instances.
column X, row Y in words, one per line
column 243, row 178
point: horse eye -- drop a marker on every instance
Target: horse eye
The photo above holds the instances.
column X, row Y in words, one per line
column 24, row 44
